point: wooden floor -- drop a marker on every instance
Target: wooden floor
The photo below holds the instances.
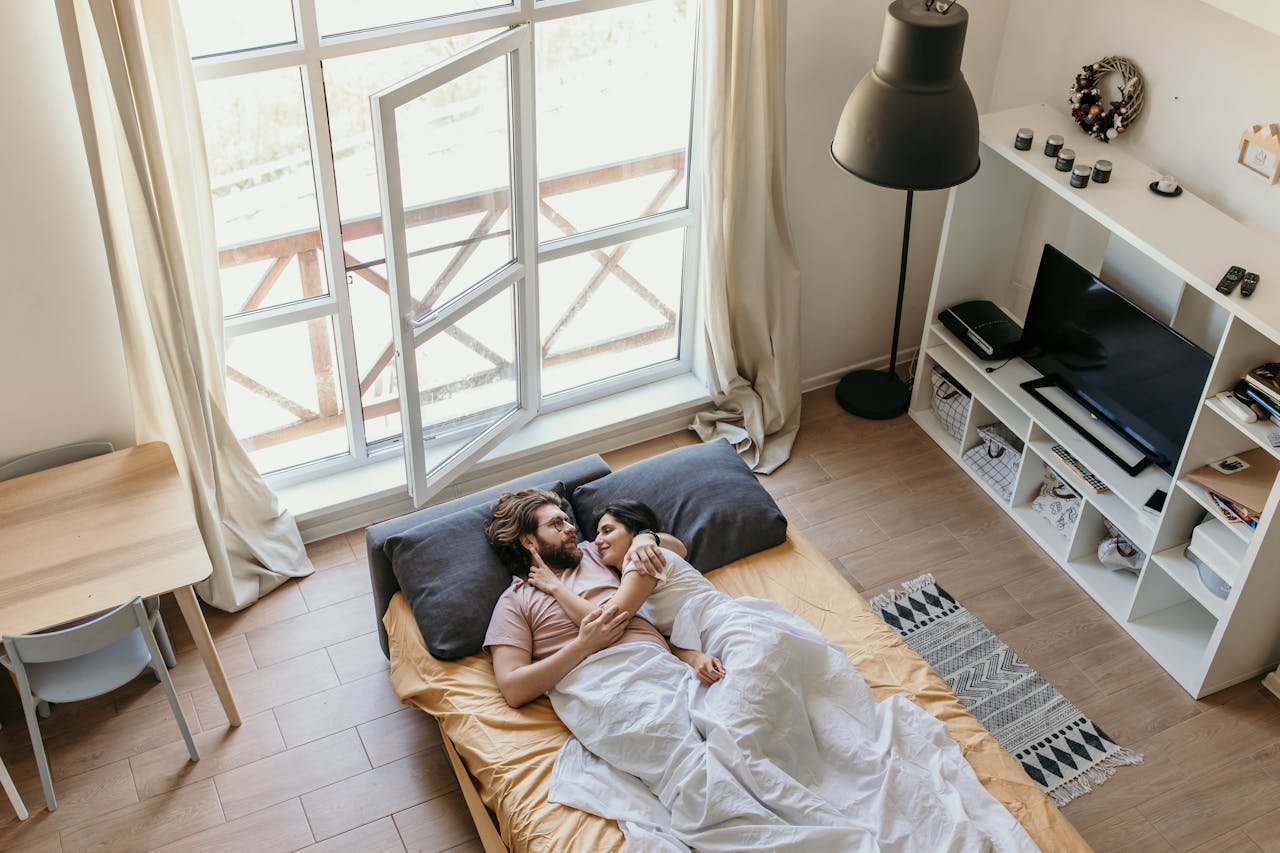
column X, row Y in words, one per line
column 328, row 760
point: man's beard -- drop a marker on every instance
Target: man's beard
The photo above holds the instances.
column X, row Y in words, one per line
column 558, row 556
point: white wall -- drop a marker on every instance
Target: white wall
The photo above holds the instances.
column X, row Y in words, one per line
column 1209, row 75
column 849, row 233
column 62, row 375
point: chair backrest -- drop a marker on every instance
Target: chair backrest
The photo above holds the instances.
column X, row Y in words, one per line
column 82, row 639
column 42, row 460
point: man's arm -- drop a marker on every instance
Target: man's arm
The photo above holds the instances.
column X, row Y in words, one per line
column 521, row 680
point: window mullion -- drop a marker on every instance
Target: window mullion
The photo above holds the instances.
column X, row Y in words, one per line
column 330, row 223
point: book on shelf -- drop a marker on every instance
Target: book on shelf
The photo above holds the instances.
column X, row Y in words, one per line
column 1260, row 400
column 1247, row 488
column 1265, row 378
column 1233, row 512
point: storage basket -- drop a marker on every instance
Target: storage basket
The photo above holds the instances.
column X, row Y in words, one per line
column 996, row 458
column 950, row 402
column 1057, row 504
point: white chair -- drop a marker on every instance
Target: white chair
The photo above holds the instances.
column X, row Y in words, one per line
column 84, row 661
column 42, row 460
column 7, row 783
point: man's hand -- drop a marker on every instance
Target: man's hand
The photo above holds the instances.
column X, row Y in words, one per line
column 602, row 628
column 645, row 556
column 544, row 578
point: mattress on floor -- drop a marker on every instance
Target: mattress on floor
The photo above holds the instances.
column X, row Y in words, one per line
column 510, row 752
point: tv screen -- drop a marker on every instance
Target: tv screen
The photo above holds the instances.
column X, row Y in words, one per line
column 1130, row 366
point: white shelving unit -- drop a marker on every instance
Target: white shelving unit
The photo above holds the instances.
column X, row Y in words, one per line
column 1167, row 255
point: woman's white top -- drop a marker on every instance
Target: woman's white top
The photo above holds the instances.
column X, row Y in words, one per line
column 678, row 583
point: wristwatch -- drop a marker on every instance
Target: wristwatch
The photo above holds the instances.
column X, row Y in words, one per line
column 657, row 541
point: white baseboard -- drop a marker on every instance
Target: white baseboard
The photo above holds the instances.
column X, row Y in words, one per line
column 822, row 380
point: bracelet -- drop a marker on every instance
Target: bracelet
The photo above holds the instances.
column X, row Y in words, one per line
column 657, row 540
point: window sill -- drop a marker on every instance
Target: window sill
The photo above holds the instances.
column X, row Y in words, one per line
column 375, row 492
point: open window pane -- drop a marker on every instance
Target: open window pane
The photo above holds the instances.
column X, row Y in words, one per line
column 614, row 106
column 467, row 374
column 345, row 16
column 454, row 147
column 610, row 311
column 223, row 26
column 264, row 196
column 348, row 83
column 282, row 394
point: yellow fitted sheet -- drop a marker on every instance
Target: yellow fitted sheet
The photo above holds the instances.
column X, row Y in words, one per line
column 511, row 752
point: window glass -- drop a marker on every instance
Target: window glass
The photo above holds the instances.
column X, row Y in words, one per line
column 283, row 400
column 222, row 26
column 614, row 96
column 610, row 311
column 344, row 16
column 264, row 196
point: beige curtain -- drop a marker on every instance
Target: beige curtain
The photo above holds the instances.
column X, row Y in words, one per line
column 750, row 278
column 136, row 96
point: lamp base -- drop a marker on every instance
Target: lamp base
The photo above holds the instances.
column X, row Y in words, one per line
column 873, row 394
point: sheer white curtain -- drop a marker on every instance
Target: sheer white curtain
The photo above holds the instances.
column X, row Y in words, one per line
column 750, row 278
column 136, row 97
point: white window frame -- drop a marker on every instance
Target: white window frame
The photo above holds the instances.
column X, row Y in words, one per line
column 307, row 53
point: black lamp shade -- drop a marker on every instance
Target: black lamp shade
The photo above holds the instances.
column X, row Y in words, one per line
column 911, row 123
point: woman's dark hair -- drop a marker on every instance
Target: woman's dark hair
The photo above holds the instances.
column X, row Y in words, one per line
column 633, row 515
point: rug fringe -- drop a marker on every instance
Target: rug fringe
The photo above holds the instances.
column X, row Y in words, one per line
column 1095, row 775
column 893, row 596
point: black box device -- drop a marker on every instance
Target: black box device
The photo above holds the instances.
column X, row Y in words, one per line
column 984, row 328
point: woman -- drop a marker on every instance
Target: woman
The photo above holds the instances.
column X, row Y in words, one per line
column 783, row 706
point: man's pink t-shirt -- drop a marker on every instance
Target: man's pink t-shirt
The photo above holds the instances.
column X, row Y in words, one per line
column 529, row 619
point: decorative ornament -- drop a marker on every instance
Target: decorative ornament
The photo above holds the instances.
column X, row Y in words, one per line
column 1087, row 108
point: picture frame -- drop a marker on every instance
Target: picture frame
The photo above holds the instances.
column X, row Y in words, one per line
column 1260, row 152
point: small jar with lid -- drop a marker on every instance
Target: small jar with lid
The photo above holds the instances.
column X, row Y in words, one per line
column 1080, row 177
column 1066, row 159
column 1022, row 141
column 1102, row 171
column 1052, row 145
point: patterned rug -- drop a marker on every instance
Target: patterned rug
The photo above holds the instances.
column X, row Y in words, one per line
column 1060, row 748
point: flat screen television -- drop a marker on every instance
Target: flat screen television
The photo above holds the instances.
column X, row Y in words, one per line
column 1140, row 375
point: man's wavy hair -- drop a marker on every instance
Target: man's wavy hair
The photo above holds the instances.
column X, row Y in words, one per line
column 514, row 515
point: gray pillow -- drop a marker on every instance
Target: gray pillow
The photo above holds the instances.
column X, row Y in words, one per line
column 452, row 578
column 705, row 495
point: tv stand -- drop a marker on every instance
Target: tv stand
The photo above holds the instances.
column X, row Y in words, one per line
column 1166, row 255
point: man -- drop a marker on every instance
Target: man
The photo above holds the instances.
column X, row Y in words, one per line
column 533, row 641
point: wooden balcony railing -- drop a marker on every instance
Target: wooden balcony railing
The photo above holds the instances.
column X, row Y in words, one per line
column 303, row 249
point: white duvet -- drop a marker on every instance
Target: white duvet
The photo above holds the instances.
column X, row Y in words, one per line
column 789, row 751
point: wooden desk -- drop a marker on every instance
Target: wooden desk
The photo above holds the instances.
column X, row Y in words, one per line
column 91, row 535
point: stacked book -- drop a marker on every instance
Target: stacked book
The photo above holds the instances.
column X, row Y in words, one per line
column 1261, row 389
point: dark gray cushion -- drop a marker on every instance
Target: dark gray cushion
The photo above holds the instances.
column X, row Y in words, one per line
column 452, row 578
column 705, row 495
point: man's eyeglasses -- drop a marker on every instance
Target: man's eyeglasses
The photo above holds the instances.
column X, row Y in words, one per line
column 556, row 524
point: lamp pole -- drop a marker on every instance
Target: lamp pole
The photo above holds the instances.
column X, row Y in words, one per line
column 902, row 287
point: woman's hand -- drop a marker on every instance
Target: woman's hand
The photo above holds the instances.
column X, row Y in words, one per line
column 645, row 556
column 544, row 579
column 708, row 669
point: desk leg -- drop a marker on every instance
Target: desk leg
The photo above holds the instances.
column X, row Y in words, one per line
column 190, row 608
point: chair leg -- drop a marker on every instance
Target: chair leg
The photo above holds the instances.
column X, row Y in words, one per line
column 42, row 708
column 162, row 640
column 174, row 704
column 14, row 799
column 37, row 747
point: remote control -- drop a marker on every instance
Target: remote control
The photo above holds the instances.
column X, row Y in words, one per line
column 1230, row 280
column 1249, row 284
column 1085, row 474
column 1273, row 437
column 1236, row 409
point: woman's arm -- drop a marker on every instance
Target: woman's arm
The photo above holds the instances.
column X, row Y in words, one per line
column 632, row 592
column 708, row 669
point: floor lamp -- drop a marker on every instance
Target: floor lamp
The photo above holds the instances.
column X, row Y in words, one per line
column 910, row 124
